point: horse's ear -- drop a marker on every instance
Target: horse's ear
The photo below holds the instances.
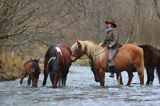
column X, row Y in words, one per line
column 79, row 44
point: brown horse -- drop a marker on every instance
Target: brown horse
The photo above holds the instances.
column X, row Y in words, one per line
column 151, row 62
column 127, row 56
column 31, row 68
column 57, row 63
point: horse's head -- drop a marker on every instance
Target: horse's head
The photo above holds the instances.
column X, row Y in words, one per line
column 54, row 70
column 55, row 77
column 35, row 72
column 76, row 51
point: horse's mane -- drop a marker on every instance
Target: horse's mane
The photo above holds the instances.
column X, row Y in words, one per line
column 92, row 48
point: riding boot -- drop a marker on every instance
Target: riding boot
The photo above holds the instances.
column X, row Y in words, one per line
column 112, row 71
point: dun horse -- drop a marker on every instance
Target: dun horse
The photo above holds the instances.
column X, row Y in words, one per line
column 31, row 68
column 128, row 55
column 57, row 63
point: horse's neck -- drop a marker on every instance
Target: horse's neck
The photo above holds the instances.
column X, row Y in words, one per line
column 88, row 52
column 91, row 50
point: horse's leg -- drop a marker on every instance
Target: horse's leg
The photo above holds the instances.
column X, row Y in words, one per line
column 24, row 74
column 64, row 77
column 29, row 80
column 119, row 79
column 45, row 72
column 140, row 71
column 102, row 77
column 64, row 81
column 95, row 73
column 45, row 78
column 150, row 75
column 130, row 77
column 158, row 72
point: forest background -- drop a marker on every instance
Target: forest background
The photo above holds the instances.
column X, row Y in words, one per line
column 29, row 27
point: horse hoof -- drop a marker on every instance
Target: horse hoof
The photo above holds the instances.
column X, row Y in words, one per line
column 127, row 84
column 96, row 80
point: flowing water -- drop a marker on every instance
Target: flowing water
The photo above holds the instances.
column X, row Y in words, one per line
column 81, row 90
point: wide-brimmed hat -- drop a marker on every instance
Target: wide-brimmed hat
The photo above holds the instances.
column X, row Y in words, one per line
column 111, row 22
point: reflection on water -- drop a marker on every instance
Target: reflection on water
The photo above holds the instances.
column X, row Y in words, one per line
column 81, row 90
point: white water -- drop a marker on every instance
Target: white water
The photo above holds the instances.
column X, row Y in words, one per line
column 81, row 90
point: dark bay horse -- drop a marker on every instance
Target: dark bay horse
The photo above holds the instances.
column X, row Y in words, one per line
column 151, row 62
column 128, row 55
column 31, row 68
column 57, row 63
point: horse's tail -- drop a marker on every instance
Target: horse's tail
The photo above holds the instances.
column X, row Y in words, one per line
column 158, row 73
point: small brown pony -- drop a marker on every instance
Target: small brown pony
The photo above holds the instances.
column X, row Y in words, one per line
column 128, row 55
column 31, row 68
column 57, row 63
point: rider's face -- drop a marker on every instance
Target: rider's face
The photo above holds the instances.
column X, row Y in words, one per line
column 109, row 25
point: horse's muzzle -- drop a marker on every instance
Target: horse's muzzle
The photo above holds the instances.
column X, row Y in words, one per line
column 73, row 58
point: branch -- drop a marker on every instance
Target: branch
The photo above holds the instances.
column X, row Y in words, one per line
column 156, row 8
column 15, row 34
column 62, row 16
column 130, row 35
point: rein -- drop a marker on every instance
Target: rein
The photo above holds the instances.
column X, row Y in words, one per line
column 94, row 55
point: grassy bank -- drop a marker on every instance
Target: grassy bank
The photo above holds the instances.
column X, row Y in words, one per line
column 9, row 75
column 11, row 66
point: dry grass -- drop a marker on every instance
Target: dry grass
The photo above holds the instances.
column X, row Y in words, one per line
column 11, row 66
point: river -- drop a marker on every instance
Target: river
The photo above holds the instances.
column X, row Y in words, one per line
column 81, row 90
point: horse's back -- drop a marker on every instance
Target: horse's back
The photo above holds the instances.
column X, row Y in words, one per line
column 150, row 50
column 131, row 47
column 62, row 55
column 129, row 54
column 151, row 54
column 27, row 66
column 65, row 55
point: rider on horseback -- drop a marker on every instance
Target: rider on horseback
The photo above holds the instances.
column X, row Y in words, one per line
column 111, row 41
